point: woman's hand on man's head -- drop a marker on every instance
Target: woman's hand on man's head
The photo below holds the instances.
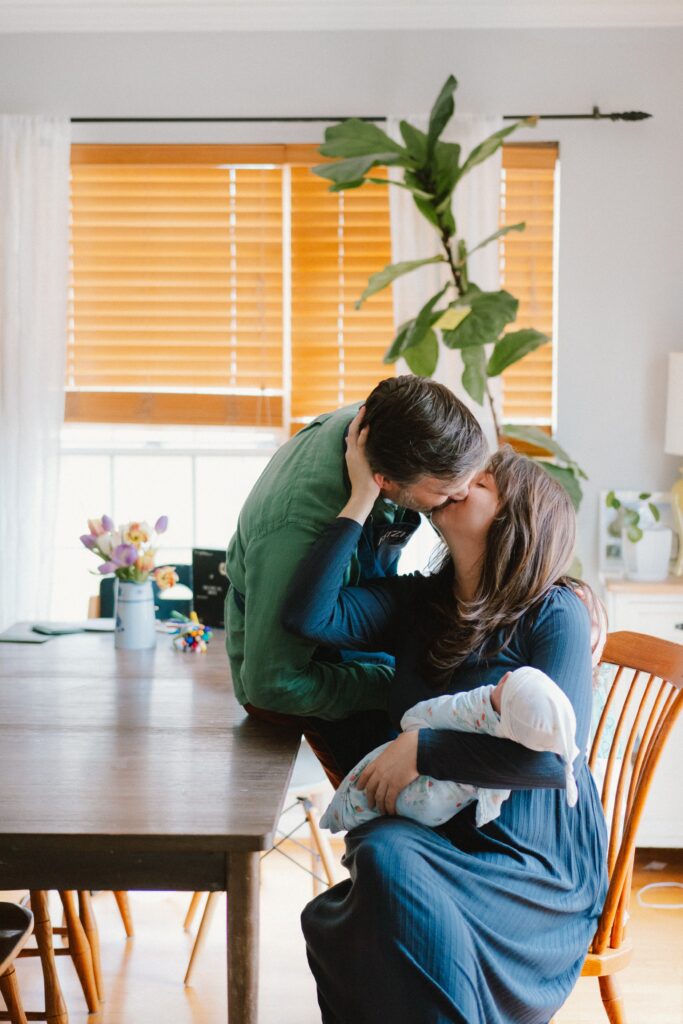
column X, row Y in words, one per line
column 364, row 487
column 389, row 774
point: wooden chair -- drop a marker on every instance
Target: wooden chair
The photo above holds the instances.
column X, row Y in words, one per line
column 308, row 779
column 644, row 699
column 81, row 944
column 16, row 925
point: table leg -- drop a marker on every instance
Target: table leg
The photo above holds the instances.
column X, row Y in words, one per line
column 243, row 937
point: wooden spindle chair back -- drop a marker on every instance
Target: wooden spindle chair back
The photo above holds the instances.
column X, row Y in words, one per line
column 643, row 702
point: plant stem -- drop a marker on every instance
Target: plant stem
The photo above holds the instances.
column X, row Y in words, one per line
column 457, row 280
column 496, row 425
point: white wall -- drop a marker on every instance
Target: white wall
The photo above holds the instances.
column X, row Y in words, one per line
column 619, row 293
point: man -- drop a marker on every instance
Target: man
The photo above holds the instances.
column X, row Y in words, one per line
column 424, row 446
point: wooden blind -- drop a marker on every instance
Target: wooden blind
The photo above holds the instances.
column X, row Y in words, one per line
column 176, row 285
column 528, row 194
column 176, row 306
column 338, row 241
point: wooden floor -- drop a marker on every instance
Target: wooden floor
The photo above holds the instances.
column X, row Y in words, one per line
column 143, row 976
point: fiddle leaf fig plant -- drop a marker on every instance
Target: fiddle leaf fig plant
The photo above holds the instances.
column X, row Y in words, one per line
column 460, row 315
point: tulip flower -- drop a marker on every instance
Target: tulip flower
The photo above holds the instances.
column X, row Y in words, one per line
column 124, row 554
column 108, row 541
column 89, row 540
column 145, row 562
column 95, row 527
column 161, row 525
column 107, row 523
column 107, row 567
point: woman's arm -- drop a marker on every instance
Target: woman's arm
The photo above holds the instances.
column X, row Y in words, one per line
column 317, row 605
column 558, row 643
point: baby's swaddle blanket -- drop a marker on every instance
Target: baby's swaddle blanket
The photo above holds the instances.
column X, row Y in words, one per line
column 534, row 712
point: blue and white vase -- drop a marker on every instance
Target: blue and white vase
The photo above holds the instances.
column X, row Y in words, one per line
column 134, row 613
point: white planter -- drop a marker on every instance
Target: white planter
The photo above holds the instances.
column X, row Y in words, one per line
column 648, row 559
column 134, row 612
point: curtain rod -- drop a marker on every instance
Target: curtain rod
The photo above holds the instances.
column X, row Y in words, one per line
column 596, row 115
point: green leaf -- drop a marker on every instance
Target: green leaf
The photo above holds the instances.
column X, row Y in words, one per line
column 611, row 500
column 489, row 313
column 382, row 278
column 634, row 534
column 422, row 359
column 348, row 173
column 400, row 184
column 644, row 495
column 425, row 320
column 396, row 347
column 568, row 480
column 489, row 146
column 532, row 435
column 426, row 208
column 354, row 137
column 512, row 347
column 446, row 161
column 416, row 143
column 441, row 112
column 451, row 318
column 474, row 373
column 498, row 234
column 656, row 515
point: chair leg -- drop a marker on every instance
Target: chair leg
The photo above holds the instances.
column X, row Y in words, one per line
column 79, row 951
column 55, row 1007
column 321, row 842
column 10, row 993
column 123, row 903
column 191, row 910
column 202, row 933
column 612, row 1000
column 87, row 917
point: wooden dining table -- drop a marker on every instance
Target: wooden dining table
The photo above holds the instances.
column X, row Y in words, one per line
column 139, row 770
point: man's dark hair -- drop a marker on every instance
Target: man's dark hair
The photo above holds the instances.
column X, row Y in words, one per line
column 419, row 428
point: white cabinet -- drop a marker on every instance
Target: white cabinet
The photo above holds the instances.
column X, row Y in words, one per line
column 655, row 608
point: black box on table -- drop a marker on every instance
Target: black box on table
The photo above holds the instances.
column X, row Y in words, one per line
column 209, row 585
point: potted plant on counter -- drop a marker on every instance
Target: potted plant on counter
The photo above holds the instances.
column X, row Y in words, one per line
column 646, row 543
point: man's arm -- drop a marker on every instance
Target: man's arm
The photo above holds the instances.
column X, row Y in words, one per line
column 277, row 670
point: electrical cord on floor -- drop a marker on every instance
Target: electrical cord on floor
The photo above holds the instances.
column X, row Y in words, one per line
column 659, row 906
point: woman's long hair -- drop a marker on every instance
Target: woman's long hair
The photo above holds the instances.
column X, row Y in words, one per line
column 529, row 549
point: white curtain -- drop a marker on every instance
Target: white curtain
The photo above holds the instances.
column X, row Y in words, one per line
column 476, row 209
column 34, row 255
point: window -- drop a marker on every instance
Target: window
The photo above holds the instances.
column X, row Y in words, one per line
column 527, row 270
column 216, row 285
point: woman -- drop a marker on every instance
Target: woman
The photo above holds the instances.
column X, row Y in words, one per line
column 461, row 924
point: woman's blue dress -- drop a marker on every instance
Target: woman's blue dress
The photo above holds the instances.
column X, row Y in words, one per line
column 457, row 924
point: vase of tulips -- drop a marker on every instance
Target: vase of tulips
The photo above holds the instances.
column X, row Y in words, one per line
column 128, row 552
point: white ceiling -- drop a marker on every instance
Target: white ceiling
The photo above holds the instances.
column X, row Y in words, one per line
column 332, row 15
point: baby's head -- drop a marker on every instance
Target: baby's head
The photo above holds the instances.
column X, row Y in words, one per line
column 535, row 712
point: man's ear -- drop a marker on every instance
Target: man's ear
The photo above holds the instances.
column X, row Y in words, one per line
column 381, row 480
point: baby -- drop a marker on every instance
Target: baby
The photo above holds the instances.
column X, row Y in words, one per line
column 534, row 711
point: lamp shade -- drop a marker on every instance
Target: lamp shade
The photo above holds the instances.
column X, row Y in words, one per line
column 674, row 406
